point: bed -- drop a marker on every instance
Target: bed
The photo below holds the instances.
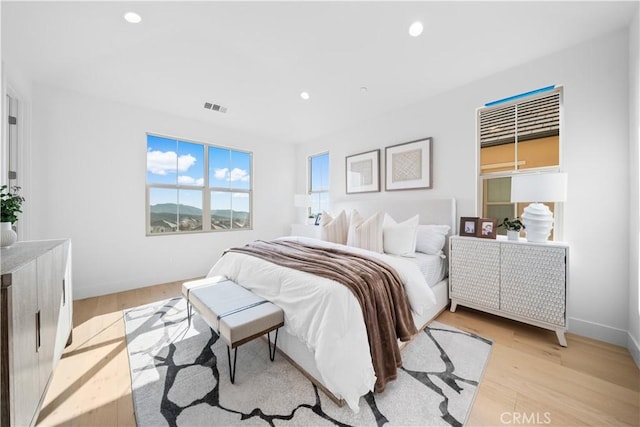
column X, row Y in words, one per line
column 324, row 334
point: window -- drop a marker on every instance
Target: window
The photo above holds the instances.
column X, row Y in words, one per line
column 195, row 187
column 520, row 134
column 319, row 182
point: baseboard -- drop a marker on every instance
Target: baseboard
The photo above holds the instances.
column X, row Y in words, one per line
column 598, row 331
column 634, row 349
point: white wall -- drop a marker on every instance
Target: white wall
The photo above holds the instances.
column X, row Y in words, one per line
column 88, row 184
column 633, row 343
column 595, row 146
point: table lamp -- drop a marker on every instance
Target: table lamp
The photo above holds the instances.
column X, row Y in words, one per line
column 537, row 188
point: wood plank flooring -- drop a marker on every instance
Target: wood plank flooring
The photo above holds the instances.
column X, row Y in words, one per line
column 529, row 380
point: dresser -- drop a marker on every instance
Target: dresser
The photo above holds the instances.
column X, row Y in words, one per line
column 35, row 324
column 519, row 280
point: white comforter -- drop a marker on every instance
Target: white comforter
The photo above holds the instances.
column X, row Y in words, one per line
column 324, row 314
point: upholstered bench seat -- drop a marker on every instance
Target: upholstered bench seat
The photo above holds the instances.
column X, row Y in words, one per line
column 234, row 312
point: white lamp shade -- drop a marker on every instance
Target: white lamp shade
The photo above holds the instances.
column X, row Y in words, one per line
column 539, row 187
column 302, row 200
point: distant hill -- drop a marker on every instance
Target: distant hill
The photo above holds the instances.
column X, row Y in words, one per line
column 172, row 208
column 169, row 210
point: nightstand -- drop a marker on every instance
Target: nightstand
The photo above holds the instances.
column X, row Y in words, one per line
column 519, row 280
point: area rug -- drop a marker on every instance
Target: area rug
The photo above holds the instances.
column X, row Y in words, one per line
column 180, row 377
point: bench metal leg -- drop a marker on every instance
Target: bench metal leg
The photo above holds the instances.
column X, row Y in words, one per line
column 232, row 372
column 189, row 308
column 272, row 355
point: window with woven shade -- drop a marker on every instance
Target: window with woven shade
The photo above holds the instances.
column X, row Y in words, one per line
column 519, row 134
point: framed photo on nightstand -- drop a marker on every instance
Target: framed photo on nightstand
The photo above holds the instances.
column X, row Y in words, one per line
column 487, row 228
column 469, row 226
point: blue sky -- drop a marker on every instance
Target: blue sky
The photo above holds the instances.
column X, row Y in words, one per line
column 173, row 162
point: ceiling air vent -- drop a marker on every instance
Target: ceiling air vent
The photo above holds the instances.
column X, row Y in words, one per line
column 215, row 107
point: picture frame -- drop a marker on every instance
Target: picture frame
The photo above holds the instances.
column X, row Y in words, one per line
column 469, row 226
column 409, row 165
column 318, row 218
column 487, row 228
column 362, row 172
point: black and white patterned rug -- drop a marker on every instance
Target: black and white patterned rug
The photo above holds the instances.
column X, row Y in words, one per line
column 180, row 377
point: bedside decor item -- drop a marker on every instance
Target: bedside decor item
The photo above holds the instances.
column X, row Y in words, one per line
column 362, row 172
column 486, row 228
column 10, row 207
column 304, row 201
column 537, row 188
column 468, row 226
column 513, row 227
column 318, row 219
column 409, row 165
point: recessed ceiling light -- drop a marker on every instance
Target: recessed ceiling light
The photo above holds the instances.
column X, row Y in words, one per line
column 132, row 17
column 364, row 89
column 416, row 29
column 304, row 95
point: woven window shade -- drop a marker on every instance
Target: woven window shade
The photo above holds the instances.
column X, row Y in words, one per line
column 536, row 118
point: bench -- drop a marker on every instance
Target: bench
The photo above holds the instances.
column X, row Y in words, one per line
column 234, row 312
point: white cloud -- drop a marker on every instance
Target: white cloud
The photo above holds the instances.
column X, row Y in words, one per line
column 236, row 174
column 189, row 180
column 163, row 162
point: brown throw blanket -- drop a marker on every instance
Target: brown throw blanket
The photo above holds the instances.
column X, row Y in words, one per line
column 376, row 286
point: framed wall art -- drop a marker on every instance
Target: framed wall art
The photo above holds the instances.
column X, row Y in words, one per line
column 408, row 165
column 363, row 172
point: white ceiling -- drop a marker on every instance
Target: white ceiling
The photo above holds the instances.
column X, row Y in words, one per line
column 256, row 57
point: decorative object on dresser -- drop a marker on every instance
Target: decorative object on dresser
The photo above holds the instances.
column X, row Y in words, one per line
column 513, row 227
column 537, row 188
column 409, row 165
column 10, row 207
column 469, row 226
column 486, row 228
column 36, row 323
column 363, row 172
column 519, row 280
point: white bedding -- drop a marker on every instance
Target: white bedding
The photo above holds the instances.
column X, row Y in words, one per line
column 432, row 267
column 324, row 314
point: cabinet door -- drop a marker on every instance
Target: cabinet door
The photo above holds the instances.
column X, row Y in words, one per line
column 533, row 282
column 474, row 271
column 25, row 384
column 49, row 300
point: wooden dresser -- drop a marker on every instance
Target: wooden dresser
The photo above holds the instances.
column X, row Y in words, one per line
column 35, row 324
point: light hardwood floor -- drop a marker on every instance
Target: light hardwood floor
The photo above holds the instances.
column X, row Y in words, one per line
column 529, row 380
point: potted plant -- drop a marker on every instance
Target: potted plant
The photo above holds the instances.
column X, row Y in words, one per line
column 513, row 227
column 10, row 207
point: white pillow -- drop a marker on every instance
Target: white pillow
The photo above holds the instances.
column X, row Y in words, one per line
column 334, row 229
column 431, row 238
column 400, row 238
column 366, row 233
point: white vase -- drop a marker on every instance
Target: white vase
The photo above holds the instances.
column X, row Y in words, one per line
column 513, row 235
column 7, row 236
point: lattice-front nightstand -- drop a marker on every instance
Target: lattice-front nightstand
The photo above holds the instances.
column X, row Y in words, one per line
column 519, row 280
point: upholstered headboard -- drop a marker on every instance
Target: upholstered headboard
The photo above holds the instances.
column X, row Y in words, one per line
column 436, row 211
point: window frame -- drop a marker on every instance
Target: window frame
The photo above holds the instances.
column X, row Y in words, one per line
column 206, row 189
column 482, row 178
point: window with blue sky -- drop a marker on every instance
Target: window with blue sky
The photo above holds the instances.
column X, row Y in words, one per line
column 195, row 186
column 319, row 182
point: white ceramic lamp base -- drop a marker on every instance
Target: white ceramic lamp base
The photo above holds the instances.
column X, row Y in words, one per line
column 538, row 222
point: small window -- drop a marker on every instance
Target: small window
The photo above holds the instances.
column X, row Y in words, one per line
column 195, row 187
column 521, row 134
column 319, row 182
